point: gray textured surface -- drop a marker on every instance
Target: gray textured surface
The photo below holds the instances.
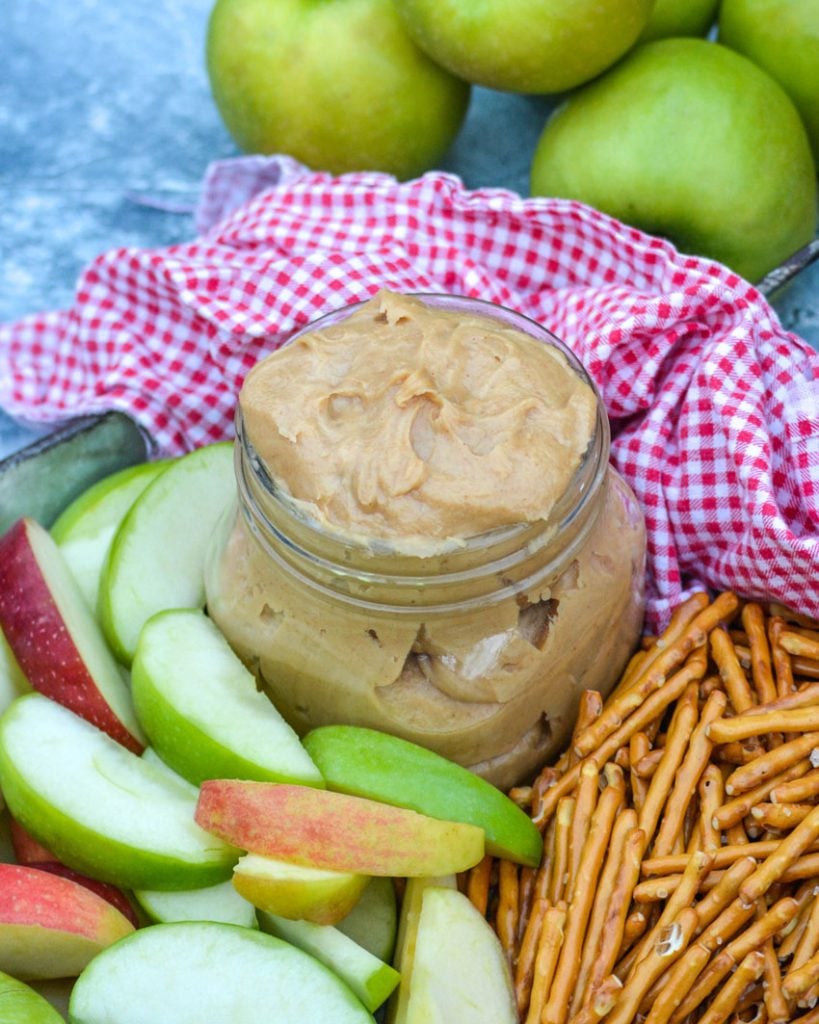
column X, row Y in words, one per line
column 106, row 127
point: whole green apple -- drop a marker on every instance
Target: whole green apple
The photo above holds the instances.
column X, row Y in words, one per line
column 337, row 84
column 688, row 140
column 679, row 18
column 781, row 36
column 530, row 46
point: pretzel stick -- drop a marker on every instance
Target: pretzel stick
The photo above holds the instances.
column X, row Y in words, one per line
column 767, row 925
column 780, row 659
column 624, row 824
column 736, row 753
column 585, row 801
column 711, row 790
column 506, row 916
column 734, row 811
column 478, row 880
column 669, row 948
column 588, row 872
column 653, row 676
column 787, row 947
column 601, row 1002
column 548, row 952
column 806, row 667
column 773, row 763
column 591, row 705
column 749, row 970
column 526, row 896
column 753, row 619
column 788, row 851
column 724, row 892
column 692, row 767
column 545, row 780
column 807, row 696
column 680, row 619
column 797, row 790
column 802, row 646
column 789, row 615
column 699, row 864
column 684, row 973
column 797, row 982
column 560, row 863
column 647, row 713
column 525, row 966
column 647, row 765
column 800, row 720
column 780, row 817
column 775, row 1003
column 613, row 935
column 682, row 723
column 638, row 748
column 544, row 872
column 809, row 940
column 730, row 671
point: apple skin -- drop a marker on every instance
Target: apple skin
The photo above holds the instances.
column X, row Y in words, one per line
column 340, row 85
column 196, row 971
column 691, row 141
column 20, row 1004
column 53, row 635
column 376, row 765
column 679, row 18
column 781, row 36
column 51, row 927
column 297, row 892
column 530, row 46
column 321, row 829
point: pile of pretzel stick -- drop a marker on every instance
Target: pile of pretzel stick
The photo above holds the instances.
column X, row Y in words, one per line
column 680, row 874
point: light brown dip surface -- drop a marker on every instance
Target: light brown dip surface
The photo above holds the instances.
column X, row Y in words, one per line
column 409, row 421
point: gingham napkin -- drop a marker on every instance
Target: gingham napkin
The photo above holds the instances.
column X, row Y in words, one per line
column 714, row 407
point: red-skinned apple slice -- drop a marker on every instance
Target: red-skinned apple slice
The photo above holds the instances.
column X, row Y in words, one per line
column 54, row 637
column 31, row 853
column 51, row 927
column 318, row 828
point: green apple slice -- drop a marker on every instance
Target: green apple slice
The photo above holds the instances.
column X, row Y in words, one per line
column 368, row 763
column 197, row 971
column 20, row 1004
column 320, row 829
column 370, row 979
column 320, row 895
column 201, row 709
column 157, row 557
column 218, row 902
column 98, row 807
column 373, row 921
column 86, row 527
column 407, row 935
column 459, row 972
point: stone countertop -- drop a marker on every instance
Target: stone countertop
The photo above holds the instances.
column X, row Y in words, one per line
column 107, row 126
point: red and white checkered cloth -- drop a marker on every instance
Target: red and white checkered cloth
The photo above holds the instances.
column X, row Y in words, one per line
column 714, row 407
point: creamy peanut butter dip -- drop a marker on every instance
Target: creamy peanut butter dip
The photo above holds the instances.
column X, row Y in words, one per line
column 413, row 430
column 405, row 421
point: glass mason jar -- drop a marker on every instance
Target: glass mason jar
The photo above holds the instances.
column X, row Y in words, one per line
column 478, row 650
